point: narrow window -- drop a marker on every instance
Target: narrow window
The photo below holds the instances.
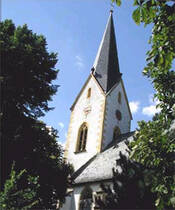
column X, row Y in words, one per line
column 82, row 138
column 119, row 98
column 86, row 199
column 89, row 93
column 100, row 195
column 116, row 133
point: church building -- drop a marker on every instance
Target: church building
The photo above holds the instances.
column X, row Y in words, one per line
column 99, row 125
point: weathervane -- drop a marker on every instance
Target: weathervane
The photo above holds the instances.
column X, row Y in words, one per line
column 112, row 7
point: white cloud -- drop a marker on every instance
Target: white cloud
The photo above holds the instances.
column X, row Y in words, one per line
column 63, row 144
column 134, row 106
column 61, row 125
column 79, row 61
column 65, row 134
column 153, row 100
column 151, row 109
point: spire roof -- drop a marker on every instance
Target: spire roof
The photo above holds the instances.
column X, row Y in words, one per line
column 106, row 65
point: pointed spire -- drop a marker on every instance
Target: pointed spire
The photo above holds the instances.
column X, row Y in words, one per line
column 106, row 65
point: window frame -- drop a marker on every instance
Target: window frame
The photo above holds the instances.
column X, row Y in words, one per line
column 82, row 138
column 119, row 97
column 89, row 93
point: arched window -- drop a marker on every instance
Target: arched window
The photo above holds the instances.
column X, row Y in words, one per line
column 82, row 138
column 86, row 199
column 119, row 98
column 89, row 93
column 116, row 133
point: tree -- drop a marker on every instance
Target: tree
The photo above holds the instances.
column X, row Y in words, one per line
column 17, row 197
column 43, row 157
column 160, row 58
column 28, row 70
column 155, row 150
column 130, row 188
column 154, row 143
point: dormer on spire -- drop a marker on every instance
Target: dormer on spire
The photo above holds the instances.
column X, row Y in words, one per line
column 106, row 64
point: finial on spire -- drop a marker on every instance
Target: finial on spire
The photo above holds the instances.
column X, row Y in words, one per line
column 112, row 7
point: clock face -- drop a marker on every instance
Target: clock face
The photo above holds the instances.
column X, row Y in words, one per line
column 118, row 114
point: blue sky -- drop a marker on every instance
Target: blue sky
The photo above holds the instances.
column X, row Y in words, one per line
column 74, row 29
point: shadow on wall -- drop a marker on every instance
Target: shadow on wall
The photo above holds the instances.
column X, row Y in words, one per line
column 69, row 202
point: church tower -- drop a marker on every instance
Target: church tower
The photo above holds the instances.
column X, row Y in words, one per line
column 100, row 112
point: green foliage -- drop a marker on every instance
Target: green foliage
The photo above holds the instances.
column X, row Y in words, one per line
column 154, row 144
column 160, row 57
column 43, row 157
column 130, row 188
column 118, row 2
column 162, row 53
column 17, row 197
column 28, row 71
column 155, row 150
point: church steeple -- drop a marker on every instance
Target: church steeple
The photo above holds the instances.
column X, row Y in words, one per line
column 97, row 118
column 106, row 65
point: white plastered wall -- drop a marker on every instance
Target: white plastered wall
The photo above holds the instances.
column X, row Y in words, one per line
column 111, row 121
column 93, row 120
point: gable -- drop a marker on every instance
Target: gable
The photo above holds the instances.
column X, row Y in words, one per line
column 126, row 99
column 91, row 77
column 88, row 108
column 124, row 91
column 117, row 114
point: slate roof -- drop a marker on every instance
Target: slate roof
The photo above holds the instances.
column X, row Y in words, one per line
column 100, row 166
column 106, row 65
